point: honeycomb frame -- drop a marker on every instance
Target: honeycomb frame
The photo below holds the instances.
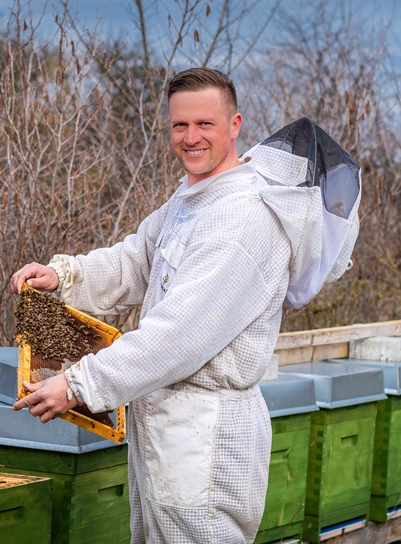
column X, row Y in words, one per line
column 109, row 334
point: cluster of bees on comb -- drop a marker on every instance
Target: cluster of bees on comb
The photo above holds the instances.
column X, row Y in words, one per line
column 56, row 338
column 43, row 322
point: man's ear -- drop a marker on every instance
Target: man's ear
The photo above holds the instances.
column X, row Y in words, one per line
column 236, row 122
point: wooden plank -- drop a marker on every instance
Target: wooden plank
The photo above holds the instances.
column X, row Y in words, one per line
column 330, row 343
column 295, row 355
column 297, row 339
column 374, row 533
column 356, row 332
column 306, row 354
column 337, row 334
column 331, row 351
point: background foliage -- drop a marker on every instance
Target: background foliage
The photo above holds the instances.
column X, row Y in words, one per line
column 84, row 141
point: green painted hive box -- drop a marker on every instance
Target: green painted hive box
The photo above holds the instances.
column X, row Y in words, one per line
column 386, row 478
column 341, row 443
column 90, row 491
column 290, row 401
column 339, row 468
column 284, row 507
column 25, row 509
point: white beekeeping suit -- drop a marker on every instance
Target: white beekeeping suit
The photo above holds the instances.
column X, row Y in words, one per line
column 211, row 270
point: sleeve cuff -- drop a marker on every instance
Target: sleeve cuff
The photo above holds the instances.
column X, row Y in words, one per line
column 83, row 387
column 72, row 388
column 63, row 266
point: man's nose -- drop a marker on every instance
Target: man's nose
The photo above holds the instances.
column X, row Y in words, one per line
column 192, row 135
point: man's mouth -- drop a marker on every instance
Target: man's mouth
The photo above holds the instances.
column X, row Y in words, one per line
column 193, row 152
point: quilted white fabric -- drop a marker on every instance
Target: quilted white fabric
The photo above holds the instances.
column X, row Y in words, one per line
column 211, row 269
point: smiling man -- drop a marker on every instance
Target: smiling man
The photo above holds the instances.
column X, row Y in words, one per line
column 211, row 270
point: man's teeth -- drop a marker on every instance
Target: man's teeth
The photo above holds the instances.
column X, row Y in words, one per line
column 197, row 152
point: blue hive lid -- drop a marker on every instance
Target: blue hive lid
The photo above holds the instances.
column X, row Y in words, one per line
column 391, row 372
column 289, row 395
column 21, row 429
column 341, row 383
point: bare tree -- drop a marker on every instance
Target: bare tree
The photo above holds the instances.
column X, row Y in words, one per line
column 83, row 130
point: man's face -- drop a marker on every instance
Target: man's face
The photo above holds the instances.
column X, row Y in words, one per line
column 203, row 133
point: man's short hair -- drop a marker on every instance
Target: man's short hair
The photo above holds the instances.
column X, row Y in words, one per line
column 199, row 79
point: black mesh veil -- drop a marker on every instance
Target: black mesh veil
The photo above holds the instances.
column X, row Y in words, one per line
column 329, row 166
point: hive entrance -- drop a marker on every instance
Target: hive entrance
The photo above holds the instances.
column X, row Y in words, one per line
column 51, row 336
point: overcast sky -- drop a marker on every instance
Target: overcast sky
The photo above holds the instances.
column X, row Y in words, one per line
column 116, row 17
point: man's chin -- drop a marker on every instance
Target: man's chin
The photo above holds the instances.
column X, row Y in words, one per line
column 191, row 170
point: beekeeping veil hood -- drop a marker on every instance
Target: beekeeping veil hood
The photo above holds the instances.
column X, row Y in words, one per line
column 314, row 187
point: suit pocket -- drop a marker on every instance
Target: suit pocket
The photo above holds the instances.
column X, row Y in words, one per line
column 180, row 427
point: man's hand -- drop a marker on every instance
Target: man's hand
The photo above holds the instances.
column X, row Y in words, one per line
column 38, row 276
column 47, row 399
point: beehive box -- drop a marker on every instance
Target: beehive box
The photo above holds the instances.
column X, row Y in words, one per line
column 285, row 498
column 341, row 443
column 90, row 491
column 25, row 509
column 290, row 401
column 386, row 478
column 386, row 475
column 339, row 468
column 340, row 383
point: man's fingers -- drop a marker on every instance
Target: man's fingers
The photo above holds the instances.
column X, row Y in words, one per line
column 35, row 275
column 22, row 275
column 21, row 403
column 16, row 283
column 42, row 283
column 47, row 416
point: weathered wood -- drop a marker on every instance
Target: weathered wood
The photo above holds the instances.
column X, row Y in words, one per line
column 336, row 335
column 297, row 339
column 312, row 353
column 331, row 351
column 295, row 355
column 305, row 346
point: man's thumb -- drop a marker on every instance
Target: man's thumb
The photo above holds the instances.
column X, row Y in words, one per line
column 32, row 387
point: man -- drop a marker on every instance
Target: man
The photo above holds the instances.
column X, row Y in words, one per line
column 210, row 269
